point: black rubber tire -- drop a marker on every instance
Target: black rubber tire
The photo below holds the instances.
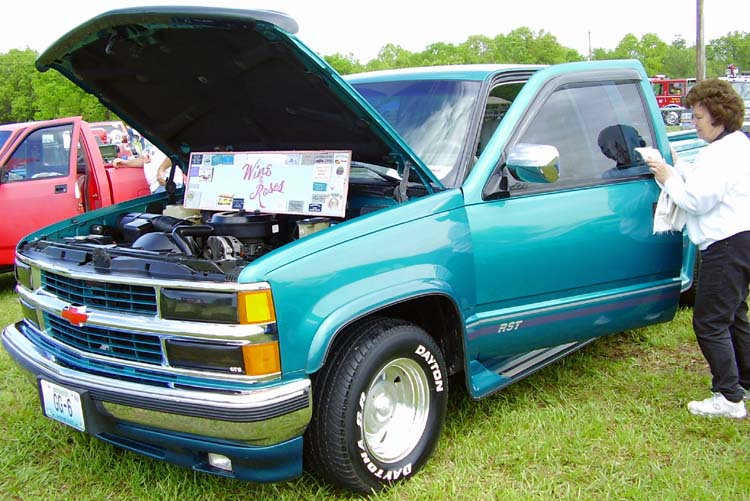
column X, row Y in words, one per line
column 336, row 443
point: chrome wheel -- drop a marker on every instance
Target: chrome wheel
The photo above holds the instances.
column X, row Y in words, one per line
column 672, row 118
column 396, row 410
column 379, row 405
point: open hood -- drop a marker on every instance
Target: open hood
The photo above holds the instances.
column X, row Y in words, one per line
column 204, row 79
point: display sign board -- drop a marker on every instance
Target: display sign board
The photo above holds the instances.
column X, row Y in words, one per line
column 285, row 182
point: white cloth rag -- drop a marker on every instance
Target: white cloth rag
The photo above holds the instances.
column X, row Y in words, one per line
column 668, row 216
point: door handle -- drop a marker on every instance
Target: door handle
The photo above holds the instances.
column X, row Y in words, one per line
column 61, row 188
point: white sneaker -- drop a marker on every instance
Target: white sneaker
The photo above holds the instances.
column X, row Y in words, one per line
column 718, row 406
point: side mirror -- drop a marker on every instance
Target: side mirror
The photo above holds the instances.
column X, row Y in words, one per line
column 534, row 163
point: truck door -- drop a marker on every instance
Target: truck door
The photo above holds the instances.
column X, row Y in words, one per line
column 575, row 257
column 37, row 183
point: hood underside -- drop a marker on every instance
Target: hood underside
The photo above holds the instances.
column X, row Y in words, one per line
column 199, row 79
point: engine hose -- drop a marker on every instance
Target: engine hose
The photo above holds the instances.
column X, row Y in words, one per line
column 179, row 234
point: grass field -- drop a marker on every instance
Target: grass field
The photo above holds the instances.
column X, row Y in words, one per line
column 608, row 422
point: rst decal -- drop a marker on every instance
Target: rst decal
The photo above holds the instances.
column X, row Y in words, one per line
column 509, row 326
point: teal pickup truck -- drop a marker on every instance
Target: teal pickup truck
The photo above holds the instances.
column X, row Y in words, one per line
column 342, row 248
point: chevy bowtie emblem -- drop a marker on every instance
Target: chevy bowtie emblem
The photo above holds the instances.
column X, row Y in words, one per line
column 76, row 315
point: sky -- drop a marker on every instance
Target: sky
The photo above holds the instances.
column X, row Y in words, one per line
column 363, row 28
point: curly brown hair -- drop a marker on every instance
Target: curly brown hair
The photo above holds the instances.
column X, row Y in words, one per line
column 721, row 100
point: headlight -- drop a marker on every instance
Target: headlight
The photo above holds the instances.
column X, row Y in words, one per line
column 244, row 307
column 200, row 306
column 252, row 307
column 248, row 359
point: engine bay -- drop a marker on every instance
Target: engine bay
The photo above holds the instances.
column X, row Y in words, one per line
column 168, row 241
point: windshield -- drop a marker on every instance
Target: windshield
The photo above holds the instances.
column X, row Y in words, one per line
column 743, row 89
column 432, row 116
column 4, row 135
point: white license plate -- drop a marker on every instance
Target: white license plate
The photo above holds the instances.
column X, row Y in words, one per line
column 62, row 404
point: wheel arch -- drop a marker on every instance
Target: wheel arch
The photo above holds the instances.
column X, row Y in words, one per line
column 435, row 312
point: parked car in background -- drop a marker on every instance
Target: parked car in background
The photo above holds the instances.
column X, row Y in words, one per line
column 117, row 133
column 52, row 170
column 670, row 93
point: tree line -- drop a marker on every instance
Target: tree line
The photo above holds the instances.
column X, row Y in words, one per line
column 26, row 94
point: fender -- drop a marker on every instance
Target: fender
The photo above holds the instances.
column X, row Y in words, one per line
column 365, row 305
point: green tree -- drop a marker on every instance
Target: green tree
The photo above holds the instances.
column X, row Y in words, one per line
column 442, row 53
column 513, row 47
column 16, row 89
column 526, row 46
column 56, row 96
column 679, row 59
column 543, row 48
column 734, row 48
column 478, row 49
column 599, row 54
column 521, row 45
column 26, row 94
column 390, row 56
column 628, row 48
column 344, row 64
column 650, row 50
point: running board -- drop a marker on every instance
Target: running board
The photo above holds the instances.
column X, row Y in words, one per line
column 486, row 380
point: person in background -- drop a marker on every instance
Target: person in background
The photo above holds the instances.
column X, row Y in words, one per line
column 156, row 166
column 136, row 142
column 715, row 194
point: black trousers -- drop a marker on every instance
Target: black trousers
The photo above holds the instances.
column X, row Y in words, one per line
column 720, row 314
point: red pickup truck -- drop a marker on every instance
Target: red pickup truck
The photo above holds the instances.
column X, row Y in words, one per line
column 669, row 94
column 52, row 170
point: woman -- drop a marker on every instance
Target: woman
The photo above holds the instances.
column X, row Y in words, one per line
column 714, row 192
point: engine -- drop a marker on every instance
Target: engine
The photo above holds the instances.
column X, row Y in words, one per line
column 220, row 236
column 174, row 242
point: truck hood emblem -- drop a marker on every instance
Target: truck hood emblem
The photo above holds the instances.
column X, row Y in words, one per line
column 76, row 315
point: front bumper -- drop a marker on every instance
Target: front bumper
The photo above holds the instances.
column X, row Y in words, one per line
column 259, row 430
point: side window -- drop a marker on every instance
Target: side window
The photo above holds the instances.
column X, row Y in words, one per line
column 81, row 160
column 44, row 153
column 595, row 128
column 498, row 102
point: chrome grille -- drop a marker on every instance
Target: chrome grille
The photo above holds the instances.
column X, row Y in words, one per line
column 124, row 345
column 101, row 295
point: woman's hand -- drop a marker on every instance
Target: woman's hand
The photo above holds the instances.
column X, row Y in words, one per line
column 660, row 169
